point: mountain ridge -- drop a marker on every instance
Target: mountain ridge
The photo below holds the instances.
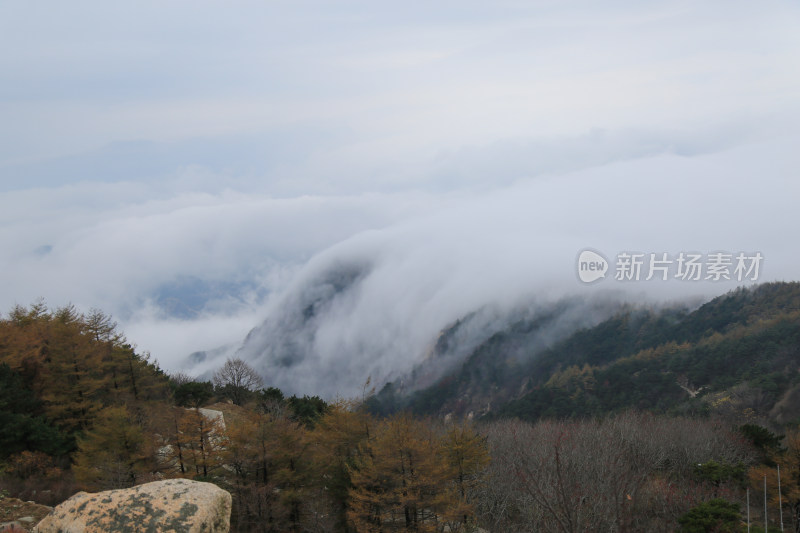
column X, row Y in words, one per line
column 733, row 344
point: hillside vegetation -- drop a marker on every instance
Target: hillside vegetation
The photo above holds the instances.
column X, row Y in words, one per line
column 738, row 356
column 654, row 420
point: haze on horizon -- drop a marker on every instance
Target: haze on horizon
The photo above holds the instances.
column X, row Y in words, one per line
column 187, row 166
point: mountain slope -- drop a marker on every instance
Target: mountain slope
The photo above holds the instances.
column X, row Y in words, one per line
column 738, row 353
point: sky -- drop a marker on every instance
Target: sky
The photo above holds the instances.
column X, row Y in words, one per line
column 192, row 168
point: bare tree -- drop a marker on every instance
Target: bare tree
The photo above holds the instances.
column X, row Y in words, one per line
column 627, row 472
column 237, row 380
column 181, row 378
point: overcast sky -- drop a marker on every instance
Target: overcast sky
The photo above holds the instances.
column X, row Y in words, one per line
column 178, row 164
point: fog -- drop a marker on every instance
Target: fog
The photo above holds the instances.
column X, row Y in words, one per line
column 374, row 304
column 198, row 171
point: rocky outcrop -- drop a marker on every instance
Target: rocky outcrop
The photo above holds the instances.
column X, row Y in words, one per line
column 177, row 505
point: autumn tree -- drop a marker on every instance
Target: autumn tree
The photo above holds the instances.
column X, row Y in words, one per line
column 274, row 478
column 111, row 454
column 201, row 440
column 406, row 480
column 75, row 379
column 24, row 342
column 338, row 438
column 237, row 380
column 466, row 456
column 76, row 364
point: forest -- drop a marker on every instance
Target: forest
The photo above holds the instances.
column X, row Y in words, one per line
column 81, row 409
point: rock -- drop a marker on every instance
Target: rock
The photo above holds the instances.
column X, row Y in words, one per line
column 177, row 505
column 12, row 527
column 27, row 519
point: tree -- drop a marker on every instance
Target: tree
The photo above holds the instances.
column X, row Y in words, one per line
column 191, row 443
column 715, row 515
column 789, row 460
column 466, row 455
column 75, row 378
column 274, row 482
column 237, row 380
column 177, row 379
column 76, row 365
column 400, row 482
column 337, row 439
column 307, row 409
column 193, row 394
column 718, row 473
column 629, row 472
column 767, row 442
column 204, row 439
column 111, row 454
column 22, row 427
column 271, row 400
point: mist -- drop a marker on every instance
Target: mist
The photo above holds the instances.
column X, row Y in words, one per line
column 373, row 305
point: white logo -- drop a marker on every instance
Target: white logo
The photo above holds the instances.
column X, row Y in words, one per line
column 591, row 266
column 685, row 266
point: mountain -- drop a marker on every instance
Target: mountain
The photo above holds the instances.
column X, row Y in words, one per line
column 738, row 354
column 331, row 331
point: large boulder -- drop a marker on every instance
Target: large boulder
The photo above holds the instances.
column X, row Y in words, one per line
column 171, row 505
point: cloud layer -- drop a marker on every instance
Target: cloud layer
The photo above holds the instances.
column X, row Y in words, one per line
column 193, row 168
column 374, row 304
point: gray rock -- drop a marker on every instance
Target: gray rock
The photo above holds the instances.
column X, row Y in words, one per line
column 178, row 505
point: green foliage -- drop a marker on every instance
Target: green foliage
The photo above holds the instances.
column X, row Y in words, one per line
column 720, row 472
column 715, row 515
column 307, row 409
column 270, row 400
column 762, row 438
column 193, row 394
column 273, row 394
column 23, row 427
column 753, row 347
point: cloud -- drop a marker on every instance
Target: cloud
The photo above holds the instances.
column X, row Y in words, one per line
column 115, row 246
column 374, row 304
column 189, row 168
column 398, row 84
